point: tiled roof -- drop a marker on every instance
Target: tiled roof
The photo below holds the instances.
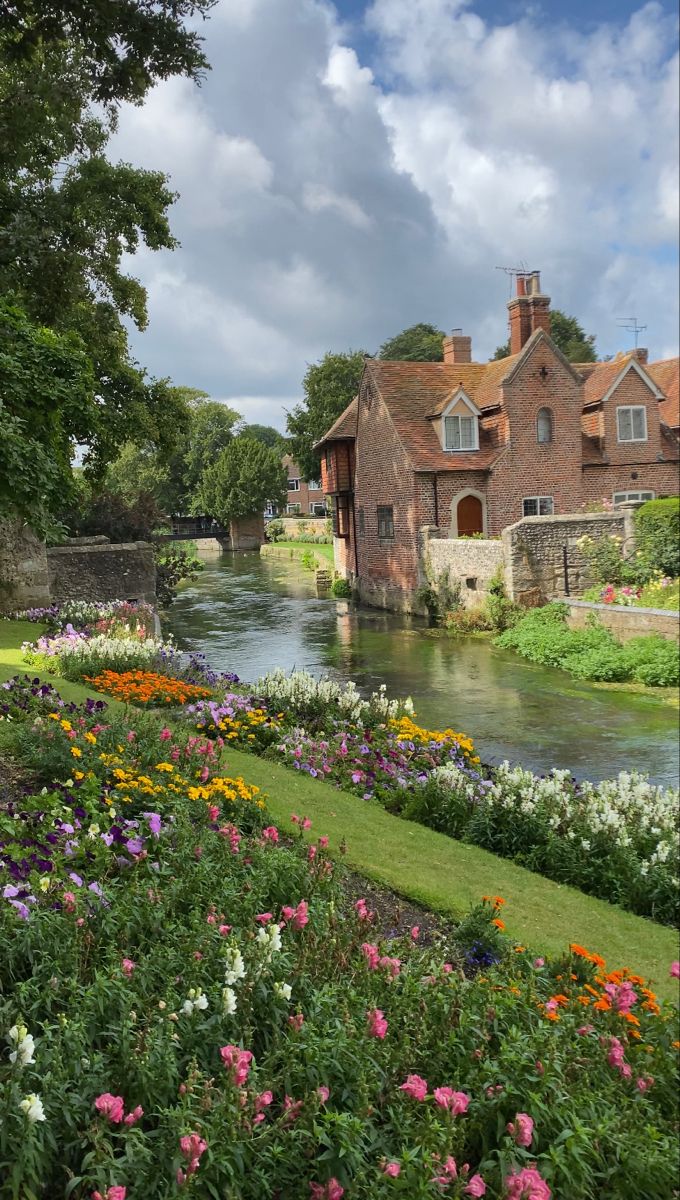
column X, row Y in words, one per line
column 666, row 374
column 600, row 376
column 345, row 426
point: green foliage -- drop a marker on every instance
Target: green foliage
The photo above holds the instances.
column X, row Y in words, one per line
column 341, row 588
column 175, row 563
column 133, row 517
column 329, row 386
column 418, row 343
column 607, row 563
column 543, row 636
column 468, row 620
column 267, row 434
column 569, row 337
column 499, row 608
column 244, row 477
column 657, row 535
column 47, row 405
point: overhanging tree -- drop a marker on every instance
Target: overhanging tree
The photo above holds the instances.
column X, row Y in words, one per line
column 245, row 476
column 418, row 343
column 329, row 386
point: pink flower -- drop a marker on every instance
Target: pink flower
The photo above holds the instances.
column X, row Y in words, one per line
column 371, row 954
column 128, row 966
column 323, row 843
column 264, row 918
column 131, row 735
column 362, row 910
column 292, row 1108
column 165, row 734
column 415, row 1087
column 113, row 1193
column 584, row 1029
column 111, row 1107
column 300, row 917
column 522, row 1129
column 213, row 812
column 237, row 1061
column 392, row 1169
column 450, row 1171
column 311, row 853
column 328, row 1191
column 306, row 824
column 377, row 1025
column 415, row 932
column 527, row 1184
column 475, row 1186
column 323, row 1093
column 295, row 819
column 271, row 834
column 223, row 930
column 133, row 1117
column 391, row 965
column 540, row 1069
column 287, row 912
column 675, row 970
column 644, row 1082
column 296, row 1022
column 455, row 1102
column 539, row 962
column 263, row 1101
column 69, row 902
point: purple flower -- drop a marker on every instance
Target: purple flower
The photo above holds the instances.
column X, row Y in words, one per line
column 76, row 878
column 155, row 822
column 135, row 845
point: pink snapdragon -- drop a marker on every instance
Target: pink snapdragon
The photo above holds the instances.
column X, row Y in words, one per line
column 455, row 1102
column 237, row 1061
column 263, row 1101
column 362, row 910
column 192, row 1147
column 371, row 954
column 271, row 834
column 133, row 1117
column 644, row 1083
column 323, row 1093
column 522, row 1129
column 415, row 1087
column 616, row 1059
column 323, row 843
column 392, row 1170
column 377, row 1025
column 527, row 1184
column 113, row 1193
column 165, row 734
column 675, row 969
column 128, row 967
column 475, row 1186
column 110, row 1106
column 326, row 1191
column 296, row 1022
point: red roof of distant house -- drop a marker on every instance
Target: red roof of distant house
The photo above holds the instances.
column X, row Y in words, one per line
column 666, row 373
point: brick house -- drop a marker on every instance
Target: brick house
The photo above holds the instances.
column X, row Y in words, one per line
column 473, row 447
column 305, row 499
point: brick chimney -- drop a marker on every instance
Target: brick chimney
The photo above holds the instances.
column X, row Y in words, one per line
column 529, row 310
column 641, row 353
column 457, row 347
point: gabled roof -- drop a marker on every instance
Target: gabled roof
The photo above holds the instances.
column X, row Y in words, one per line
column 666, row 374
column 603, row 377
column 345, row 428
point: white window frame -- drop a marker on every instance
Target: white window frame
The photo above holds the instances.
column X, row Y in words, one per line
column 314, row 485
column 293, row 485
column 642, row 494
column 293, row 510
column 632, row 409
column 539, row 500
column 317, row 505
column 448, row 414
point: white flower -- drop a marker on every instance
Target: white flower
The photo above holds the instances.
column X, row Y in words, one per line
column 196, row 1002
column 201, row 1002
column 24, row 1046
column 269, row 939
column 235, row 966
column 284, row 990
column 228, row 1001
column 32, row 1106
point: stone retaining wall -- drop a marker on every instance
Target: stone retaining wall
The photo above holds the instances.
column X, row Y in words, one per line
column 292, row 526
column 470, row 562
column 24, row 581
column 125, row 571
column 625, row 623
column 534, row 553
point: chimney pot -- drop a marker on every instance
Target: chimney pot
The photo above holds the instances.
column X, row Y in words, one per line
column 520, row 286
column 641, row 353
column 529, row 310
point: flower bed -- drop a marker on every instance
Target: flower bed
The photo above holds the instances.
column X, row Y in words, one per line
column 189, row 1004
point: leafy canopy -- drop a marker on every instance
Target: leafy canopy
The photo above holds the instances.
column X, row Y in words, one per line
column 245, row 476
column 569, row 337
column 329, row 386
column 418, row 343
column 267, row 434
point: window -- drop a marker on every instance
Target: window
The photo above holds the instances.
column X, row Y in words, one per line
column 362, row 523
column 386, row 523
column 293, row 485
column 624, row 497
column 317, row 510
column 341, row 517
column 544, row 425
column 292, row 508
column 631, row 423
column 314, row 485
column 538, row 506
column 460, row 433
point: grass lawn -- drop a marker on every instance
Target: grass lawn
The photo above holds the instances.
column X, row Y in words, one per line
column 12, row 634
column 428, row 867
column 322, row 550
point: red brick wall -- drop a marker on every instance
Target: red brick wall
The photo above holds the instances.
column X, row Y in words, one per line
column 448, row 487
column 384, row 477
column 304, row 497
column 602, row 482
column 528, row 467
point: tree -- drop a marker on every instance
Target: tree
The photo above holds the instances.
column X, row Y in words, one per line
column 46, row 406
column 245, row 476
column 569, row 337
column 329, row 386
column 265, row 434
column 418, row 343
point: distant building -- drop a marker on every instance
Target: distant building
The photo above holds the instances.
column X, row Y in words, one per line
column 304, row 499
column 470, row 448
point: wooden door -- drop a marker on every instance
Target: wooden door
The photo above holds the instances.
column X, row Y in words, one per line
column 470, row 516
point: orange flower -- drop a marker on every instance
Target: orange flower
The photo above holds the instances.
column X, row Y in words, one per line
column 498, row 901
column 602, row 1005
column 583, row 953
column 147, row 687
column 498, row 923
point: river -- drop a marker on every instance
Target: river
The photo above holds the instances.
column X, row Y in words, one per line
column 250, row 614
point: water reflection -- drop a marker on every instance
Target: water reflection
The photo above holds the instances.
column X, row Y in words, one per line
column 249, row 614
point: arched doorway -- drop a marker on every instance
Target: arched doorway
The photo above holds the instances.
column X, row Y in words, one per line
column 470, row 516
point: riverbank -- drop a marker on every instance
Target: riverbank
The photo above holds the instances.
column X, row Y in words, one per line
column 321, row 552
column 422, row 865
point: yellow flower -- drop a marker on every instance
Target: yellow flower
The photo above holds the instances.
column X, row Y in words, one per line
column 78, row 775
column 76, row 752
column 89, row 737
column 66, row 726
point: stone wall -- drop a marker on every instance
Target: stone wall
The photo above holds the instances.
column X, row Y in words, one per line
column 534, row 553
column 24, row 581
column 102, row 572
column 470, row 562
column 293, row 526
column 626, row 623
column 247, row 533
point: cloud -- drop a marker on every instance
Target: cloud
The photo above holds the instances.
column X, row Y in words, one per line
column 337, row 184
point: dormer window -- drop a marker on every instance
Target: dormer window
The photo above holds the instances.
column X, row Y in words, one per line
column 460, row 424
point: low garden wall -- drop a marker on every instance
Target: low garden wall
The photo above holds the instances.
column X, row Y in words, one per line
column 469, row 562
column 294, row 526
column 534, row 551
column 24, row 580
column 125, row 571
column 625, row 623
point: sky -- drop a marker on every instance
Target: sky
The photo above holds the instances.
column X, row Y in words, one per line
column 346, row 170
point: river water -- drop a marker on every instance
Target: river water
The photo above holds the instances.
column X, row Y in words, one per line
column 250, row 614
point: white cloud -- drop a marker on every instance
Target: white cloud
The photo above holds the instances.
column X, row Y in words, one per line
column 327, row 202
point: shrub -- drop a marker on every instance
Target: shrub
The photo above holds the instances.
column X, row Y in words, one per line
column 653, row 660
column 341, row 588
column 606, row 562
column 274, row 530
column 468, row 620
column 657, row 534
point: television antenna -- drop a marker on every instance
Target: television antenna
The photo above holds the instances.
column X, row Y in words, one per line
column 631, row 324
column 513, row 273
